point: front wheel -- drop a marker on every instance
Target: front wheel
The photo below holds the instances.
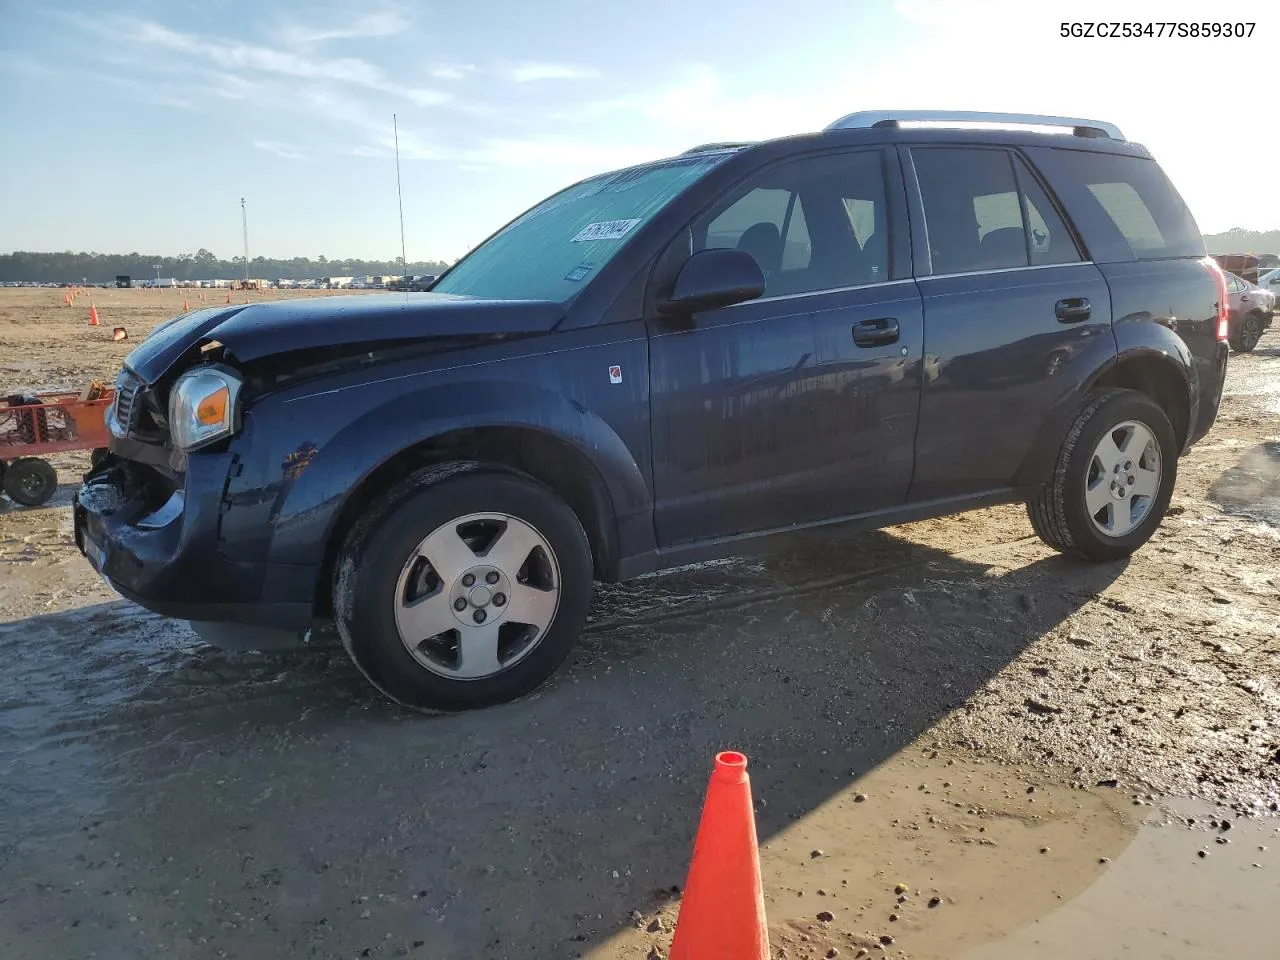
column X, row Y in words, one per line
column 1112, row 481
column 1247, row 336
column 467, row 588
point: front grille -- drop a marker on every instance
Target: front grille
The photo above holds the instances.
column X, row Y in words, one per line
column 128, row 391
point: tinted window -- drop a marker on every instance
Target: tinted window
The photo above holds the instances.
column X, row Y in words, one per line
column 1050, row 240
column 1235, row 284
column 971, row 209
column 1126, row 206
column 813, row 224
column 555, row 249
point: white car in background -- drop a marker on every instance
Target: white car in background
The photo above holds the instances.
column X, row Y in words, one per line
column 1271, row 281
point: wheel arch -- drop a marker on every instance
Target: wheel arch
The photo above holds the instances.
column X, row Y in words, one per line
column 1158, row 376
column 551, row 459
column 1164, row 377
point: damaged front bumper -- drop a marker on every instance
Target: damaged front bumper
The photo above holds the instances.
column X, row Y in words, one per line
column 156, row 542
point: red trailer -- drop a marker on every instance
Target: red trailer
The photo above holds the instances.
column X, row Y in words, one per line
column 1243, row 265
column 33, row 426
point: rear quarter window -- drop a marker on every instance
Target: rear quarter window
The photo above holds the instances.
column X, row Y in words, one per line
column 1124, row 206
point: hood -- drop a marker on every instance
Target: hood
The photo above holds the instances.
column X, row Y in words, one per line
column 262, row 329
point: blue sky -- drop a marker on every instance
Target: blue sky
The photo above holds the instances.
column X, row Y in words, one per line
column 139, row 124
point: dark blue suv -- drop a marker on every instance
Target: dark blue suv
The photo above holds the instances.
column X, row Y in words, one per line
column 881, row 322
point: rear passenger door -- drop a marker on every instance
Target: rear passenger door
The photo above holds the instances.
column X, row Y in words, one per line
column 1012, row 315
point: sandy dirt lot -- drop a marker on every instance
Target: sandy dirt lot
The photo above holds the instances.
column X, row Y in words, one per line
column 1040, row 750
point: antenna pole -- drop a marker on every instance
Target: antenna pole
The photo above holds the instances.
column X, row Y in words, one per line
column 244, row 223
column 404, row 260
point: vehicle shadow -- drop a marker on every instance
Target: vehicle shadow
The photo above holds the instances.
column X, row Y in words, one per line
column 272, row 805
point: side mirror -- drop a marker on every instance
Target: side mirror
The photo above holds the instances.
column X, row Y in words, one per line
column 714, row 278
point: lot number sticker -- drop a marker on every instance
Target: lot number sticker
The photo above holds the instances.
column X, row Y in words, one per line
column 605, row 230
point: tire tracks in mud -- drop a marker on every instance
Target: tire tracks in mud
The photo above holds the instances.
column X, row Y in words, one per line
column 804, row 588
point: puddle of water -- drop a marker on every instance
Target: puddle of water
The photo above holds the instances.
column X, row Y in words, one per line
column 1252, row 487
column 1160, row 900
column 984, row 850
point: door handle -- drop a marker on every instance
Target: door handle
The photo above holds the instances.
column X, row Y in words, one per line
column 876, row 333
column 1244, row 298
column 1072, row 309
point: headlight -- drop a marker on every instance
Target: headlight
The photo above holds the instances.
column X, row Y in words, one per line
column 204, row 407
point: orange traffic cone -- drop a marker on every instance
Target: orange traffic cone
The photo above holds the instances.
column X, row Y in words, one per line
column 93, row 316
column 66, row 299
column 722, row 914
column 186, row 307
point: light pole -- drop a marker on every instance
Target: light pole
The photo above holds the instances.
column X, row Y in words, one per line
column 404, row 261
column 244, row 223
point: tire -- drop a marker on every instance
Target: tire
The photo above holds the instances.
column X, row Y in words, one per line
column 384, row 576
column 1061, row 512
column 30, row 481
column 1247, row 335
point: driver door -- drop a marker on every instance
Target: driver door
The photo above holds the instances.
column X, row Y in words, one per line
column 799, row 406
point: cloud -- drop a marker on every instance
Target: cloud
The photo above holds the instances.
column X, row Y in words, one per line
column 279, row 149
column 531, row 72
column 455, row 71
column 384, row 24
column 236, row 58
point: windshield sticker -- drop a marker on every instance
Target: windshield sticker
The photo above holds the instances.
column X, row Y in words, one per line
column 580, row 272
column 605, row 230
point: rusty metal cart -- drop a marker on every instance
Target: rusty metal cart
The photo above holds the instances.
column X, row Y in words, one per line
column 32, row 426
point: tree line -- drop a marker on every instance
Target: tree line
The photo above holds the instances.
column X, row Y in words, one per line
column 1239, row 240
column 68, row 267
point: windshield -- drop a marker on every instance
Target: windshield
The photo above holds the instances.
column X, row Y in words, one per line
column 553, row 250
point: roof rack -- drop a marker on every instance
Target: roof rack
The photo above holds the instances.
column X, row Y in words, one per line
column 867, row 119
column 709, row 147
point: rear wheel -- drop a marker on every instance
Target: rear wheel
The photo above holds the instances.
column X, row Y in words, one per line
column 467, row 588
column 30, row 481
column 1113, row 479
column 1247, row 334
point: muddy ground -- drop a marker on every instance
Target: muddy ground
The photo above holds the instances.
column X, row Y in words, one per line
column 1043, row 748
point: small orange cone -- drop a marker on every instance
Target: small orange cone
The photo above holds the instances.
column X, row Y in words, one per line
column 722, row 914
column 186, row 307
column 119, row 333
column 66, row 299
column 93, row 316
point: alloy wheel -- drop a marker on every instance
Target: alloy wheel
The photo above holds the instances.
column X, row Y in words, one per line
column 477, row 595
column 1123, row 478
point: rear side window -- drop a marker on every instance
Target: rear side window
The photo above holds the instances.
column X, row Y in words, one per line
column 985, row 211
column 1125, row 206
column 970, row 209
